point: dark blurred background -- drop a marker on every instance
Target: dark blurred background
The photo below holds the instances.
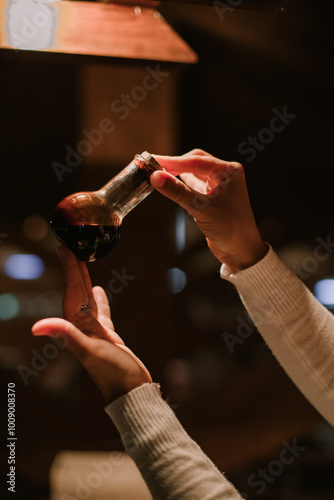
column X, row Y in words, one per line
column 236, row 402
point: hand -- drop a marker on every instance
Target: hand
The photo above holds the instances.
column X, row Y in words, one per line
column 90, row 336
column 214, row 192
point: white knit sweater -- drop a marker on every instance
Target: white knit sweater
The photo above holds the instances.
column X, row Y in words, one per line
column 300, row 333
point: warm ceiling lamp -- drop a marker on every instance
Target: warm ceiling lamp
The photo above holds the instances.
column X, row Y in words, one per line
column 122, row 30
column 94, row 29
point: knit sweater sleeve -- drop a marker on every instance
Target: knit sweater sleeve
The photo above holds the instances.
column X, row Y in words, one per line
column 296, row 327
column 171, row 463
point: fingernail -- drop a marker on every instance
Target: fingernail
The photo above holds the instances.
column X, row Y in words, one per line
column 157, row 179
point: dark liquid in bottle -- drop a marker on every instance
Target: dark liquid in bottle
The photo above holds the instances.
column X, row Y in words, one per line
column 86, row 226
column 87, row 242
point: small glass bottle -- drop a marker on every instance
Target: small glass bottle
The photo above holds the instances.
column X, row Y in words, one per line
column 89, row 222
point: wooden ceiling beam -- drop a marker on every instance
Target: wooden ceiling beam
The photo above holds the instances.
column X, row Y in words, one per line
column 91, row 29
column 262, row 5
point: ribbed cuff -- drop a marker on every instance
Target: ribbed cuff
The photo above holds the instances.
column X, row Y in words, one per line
column 135, row 406
column 268, row 284
column 142, row 417
column 172, row 464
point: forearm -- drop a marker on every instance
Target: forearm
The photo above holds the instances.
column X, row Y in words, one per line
column 172, row 464
column 297, row 328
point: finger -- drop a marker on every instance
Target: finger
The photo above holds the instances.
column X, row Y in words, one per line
column 178, row 191
column 89, row 289
column 74, row 283
column 197, row 152
column 193, row 152
column 194, row 182
column 196, row 164
column 90, row 326
column 221, row 176
column 104, row 314
column 65, row 332
column 103, row 308
column 86, row 279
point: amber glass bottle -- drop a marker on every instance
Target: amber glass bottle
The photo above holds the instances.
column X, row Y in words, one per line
column 89, row 222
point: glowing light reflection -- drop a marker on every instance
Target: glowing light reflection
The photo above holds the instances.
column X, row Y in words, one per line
column 176, row 280
column 324, row 291
column 9, row 306
column 24, row 266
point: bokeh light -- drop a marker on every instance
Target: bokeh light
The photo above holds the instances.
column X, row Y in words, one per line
column 23, row 266
column 176, row 280
column 324, row 291
column 9, row 306
column 35, row 227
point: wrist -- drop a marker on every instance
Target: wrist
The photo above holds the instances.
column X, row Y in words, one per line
column 243, row 255
column 252, row 257
column 126, row 385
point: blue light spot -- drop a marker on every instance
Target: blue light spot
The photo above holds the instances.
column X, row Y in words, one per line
column 176, row 280
column 9, row 306
column 24, row 267
column 324, row 291
column 180, row 231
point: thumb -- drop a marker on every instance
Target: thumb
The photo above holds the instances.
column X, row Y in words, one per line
column 65, row 332
column 178, row 191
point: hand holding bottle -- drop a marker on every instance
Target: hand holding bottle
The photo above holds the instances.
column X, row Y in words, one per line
column 89, row 222
column 88, row 332
column 214, row 192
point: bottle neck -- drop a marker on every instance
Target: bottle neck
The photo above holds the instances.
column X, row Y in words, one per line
column 128, row 188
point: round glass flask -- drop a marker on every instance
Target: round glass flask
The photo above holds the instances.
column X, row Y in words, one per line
column 89, row 222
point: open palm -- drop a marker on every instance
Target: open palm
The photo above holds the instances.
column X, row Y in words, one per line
column 90, row 336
